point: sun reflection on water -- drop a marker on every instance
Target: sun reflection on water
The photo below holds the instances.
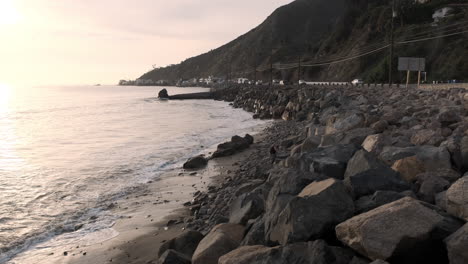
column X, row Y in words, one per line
column 5, row 94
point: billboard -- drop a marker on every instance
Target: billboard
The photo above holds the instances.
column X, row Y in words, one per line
column 411, row 64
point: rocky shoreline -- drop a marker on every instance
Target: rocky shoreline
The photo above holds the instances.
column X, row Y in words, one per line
column 362, row 175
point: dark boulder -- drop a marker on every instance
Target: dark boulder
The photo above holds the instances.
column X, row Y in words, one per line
column 313, row 213
column 185, row 243
column 245, row 207
column 365, row 175
column 457, row 246
column 196, row 162
column 173, row 257
column 379, row 198
column 236, row 144
column 314, row 252
column 163, row 94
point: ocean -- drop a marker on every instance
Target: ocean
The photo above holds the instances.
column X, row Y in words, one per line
column 66, row 153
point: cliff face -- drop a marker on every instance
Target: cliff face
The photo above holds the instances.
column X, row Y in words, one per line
column 326, row 30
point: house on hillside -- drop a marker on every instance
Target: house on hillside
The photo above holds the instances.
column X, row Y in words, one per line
column 442, row 13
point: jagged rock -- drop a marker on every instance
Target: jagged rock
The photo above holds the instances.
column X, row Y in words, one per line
column 379, row 261
column 248, row 186
column 379, row 198
column 222, row 239
column 235, row 145
column 173, row 257
column 374, row 143
column 464, row 152
column 405, row 231
column 427, row 137
column 434, row 158
column 409, row 168
column 365, row 175
column 196, row 162
column 245, row 207
column 344, row 124
column 457, row 246
column 186, row 243
column 163, row 94
column 256, row 234
column 311, row 214
column 457, row 198
column 316, row 252
column 358, row 260
column 448, row 117
column 380, row 126
column 310, row 144
column 430, row 186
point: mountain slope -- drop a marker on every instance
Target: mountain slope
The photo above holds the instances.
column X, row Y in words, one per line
column 324, row 30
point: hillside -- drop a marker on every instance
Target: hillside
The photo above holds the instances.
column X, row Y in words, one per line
column 317, row 31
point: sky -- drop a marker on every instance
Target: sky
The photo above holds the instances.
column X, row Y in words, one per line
column 71, row 42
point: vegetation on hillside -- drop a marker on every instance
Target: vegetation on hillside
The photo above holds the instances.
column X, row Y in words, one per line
column 316, row 31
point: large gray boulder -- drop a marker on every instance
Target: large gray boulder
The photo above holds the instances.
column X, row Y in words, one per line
column 457, row 198
column 316, row 252
column 433, row 158
column 186, row 243
column 365, row 175
column 245, row 207
column 345, row 123
column 457, row 246
column 405, row 231
column 314, row 212
column 236, row 144
column 173, row 257
column 222, row 239
column 379, row 198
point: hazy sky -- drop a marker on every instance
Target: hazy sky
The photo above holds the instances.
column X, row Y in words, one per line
column 102, row 41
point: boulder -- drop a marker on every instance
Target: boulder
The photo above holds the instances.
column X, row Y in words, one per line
column 196, row 162
column 186, row 243
column 380, row 126
column 365, row 174
column 457, row 246
column 457, row 198
column 316, row 252
column 427, row 137
column 449, row 116
column 220, row 240
column 314, row 212
column 236, row 144
column 245, row 207
column 405, row 231
column 464, row 152
column 374, row 143
column 173, row 257
column 256, row 234
column 379, row 198
column 434, row 158
column 163, row 94
column 343, row 124
column 430, row 186
column 409, row 168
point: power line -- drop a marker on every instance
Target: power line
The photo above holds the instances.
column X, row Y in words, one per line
column 430, row 38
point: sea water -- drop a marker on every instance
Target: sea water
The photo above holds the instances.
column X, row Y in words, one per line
column 66, row 153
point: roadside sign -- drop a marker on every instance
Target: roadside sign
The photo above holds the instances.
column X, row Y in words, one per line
column 411, row 64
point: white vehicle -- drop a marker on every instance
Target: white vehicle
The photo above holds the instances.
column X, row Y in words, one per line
column 357, row 81
column 259, row 83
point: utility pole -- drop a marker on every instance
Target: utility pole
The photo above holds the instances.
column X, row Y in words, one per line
column 299, row 71
column 271, row 67
column 392, row 43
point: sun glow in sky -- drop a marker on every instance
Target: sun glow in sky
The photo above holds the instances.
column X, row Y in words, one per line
column 59, row 42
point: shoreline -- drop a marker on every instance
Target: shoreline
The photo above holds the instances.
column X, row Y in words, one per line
column 140, row 246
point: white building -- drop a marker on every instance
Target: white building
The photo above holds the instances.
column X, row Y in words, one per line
column 441, row 13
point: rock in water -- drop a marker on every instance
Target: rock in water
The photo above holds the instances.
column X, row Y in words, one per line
column 457, row 246
column 196, row 162
column 313, row 213
column 163, row 94
column 222, row 239
column 185, row 243
column 405, row 231
column 173, row 257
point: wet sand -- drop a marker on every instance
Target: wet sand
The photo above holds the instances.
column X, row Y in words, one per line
column 145, row 227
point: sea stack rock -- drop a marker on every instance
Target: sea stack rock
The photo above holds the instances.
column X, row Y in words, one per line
column 163, row 94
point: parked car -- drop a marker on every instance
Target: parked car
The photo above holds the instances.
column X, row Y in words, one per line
column 357, row 81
